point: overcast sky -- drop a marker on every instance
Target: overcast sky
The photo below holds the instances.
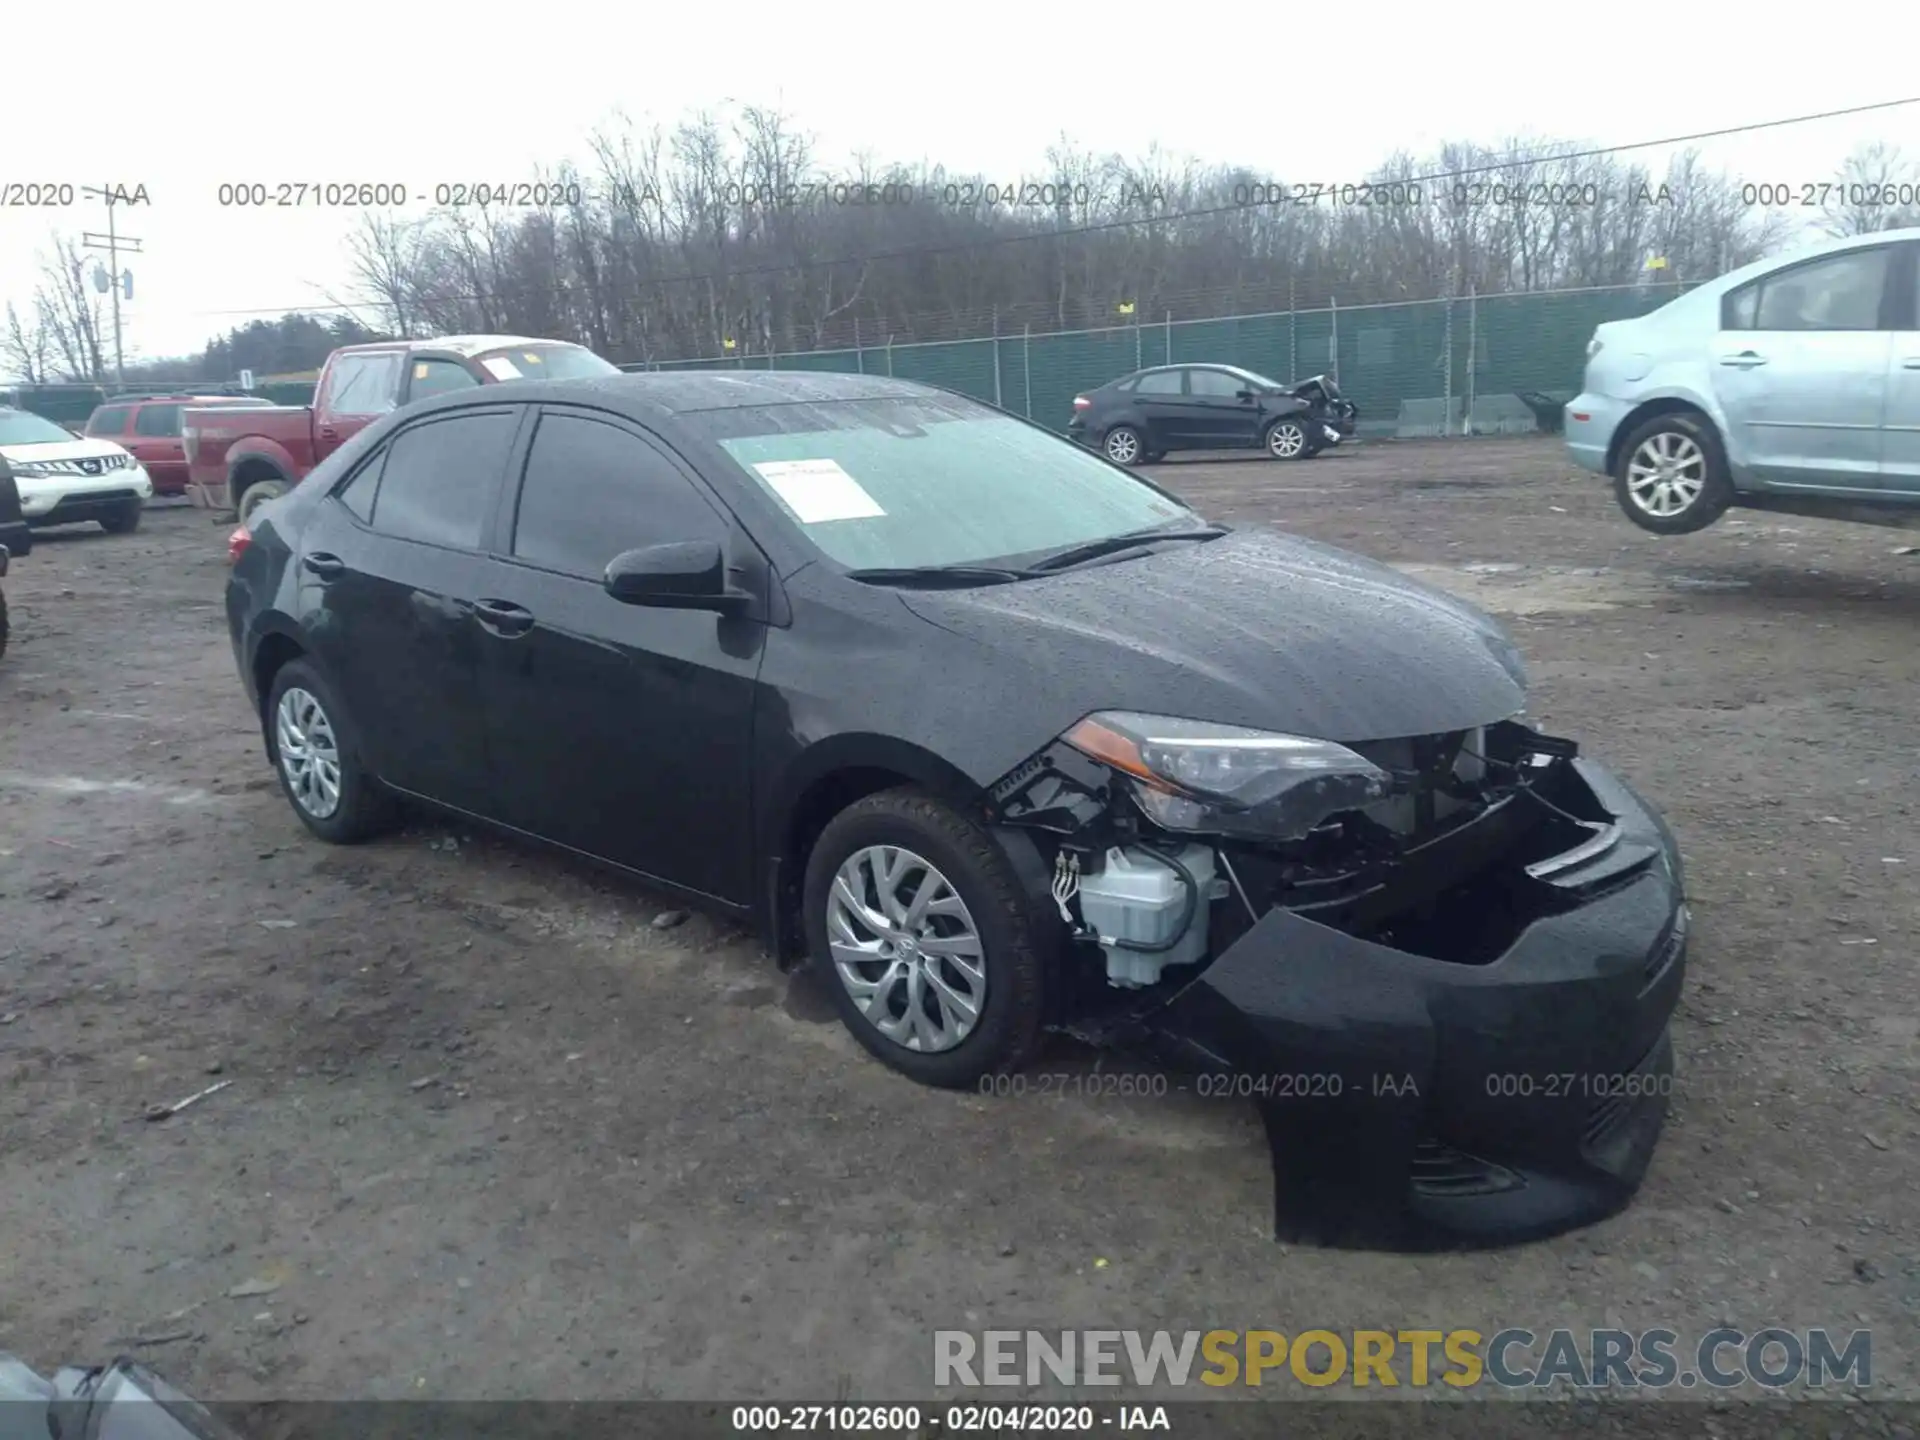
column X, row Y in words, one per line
column 181, row 99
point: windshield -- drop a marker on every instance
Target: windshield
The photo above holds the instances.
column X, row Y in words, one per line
column 933, row 480
column 23, row 427
column 544, row 362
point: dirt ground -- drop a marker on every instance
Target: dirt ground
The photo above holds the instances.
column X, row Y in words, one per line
column 490, row 1132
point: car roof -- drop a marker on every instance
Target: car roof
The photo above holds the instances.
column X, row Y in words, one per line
column 682, row 392
column 468, row 345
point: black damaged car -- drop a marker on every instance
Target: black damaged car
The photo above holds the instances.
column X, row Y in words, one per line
column 1003, row 739
column 1145, row 416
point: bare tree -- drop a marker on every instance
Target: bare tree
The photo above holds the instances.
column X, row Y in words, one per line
column 1878, row 189
column 724, row 235
column 68, row 313
column 28, row 347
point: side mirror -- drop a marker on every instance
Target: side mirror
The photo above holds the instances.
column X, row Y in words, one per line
column 1246, row 395
column 683, row 575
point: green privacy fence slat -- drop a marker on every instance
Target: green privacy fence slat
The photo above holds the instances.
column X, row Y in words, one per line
column 1382, row 354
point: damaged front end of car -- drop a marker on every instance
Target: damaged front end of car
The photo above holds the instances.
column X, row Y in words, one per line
column 1442, row 967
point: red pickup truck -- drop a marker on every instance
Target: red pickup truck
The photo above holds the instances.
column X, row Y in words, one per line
column 238, row 459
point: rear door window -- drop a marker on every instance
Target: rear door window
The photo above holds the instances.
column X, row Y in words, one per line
column 441, row 478
column 157, row 420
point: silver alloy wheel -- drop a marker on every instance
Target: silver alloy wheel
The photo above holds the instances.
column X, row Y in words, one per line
column 309, row 753
column 1123, row 447
column 1286, row 440
column 906, row 948
column 1666, row 474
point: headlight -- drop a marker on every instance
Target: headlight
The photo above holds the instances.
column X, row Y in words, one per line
column 29, row 469
column 1201, row 778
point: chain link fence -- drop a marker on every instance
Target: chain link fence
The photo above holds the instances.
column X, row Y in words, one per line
column 1462, row 365
column 1487, row 364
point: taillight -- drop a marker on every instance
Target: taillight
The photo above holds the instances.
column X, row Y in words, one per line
column 1081, row 402
column 237, row 544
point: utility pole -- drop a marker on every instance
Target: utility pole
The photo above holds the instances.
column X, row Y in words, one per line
column 112, row 242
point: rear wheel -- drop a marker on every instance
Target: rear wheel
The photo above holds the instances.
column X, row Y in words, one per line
column 3, row 622
column 929, row 949
column 1671, row 475
column 316, row 752
column 123, row 519
column 258, row 494
column 1123, row 445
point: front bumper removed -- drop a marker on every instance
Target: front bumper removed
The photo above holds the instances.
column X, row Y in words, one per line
column 1418, row 1104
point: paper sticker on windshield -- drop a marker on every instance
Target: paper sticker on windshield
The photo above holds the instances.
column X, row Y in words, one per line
column 501, row 368
column 818, row 490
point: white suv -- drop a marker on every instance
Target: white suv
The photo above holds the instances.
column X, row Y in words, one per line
column 64, row 480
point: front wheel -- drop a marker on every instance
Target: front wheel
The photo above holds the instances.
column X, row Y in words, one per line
column 1287, row 440
column 1124, row 445
column 926, row 939
column 123, row 519
column 1671, row 475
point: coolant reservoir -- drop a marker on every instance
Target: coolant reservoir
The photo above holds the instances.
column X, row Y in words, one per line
column 1137, row 898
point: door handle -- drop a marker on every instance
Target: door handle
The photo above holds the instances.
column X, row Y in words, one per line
column 1912, row 362
column 327, row 567
column 327, row 432
column 503, row 617
column 1745, row 360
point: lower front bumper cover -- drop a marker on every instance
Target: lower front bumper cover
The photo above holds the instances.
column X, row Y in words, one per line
column 1419, row 1104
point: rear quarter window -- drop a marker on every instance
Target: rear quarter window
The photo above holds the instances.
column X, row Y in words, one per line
column 109, row 420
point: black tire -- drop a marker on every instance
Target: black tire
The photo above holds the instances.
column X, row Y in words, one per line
column 1716, row 490
column 1008, row 1029
column 1123, row 445
column 1153, row 457
column 1286, row 439
column 258, row 494
column 364, row 808
column 3, row 623
column 123, row 519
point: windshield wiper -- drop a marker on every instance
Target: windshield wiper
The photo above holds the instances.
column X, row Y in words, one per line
column 939, row 575
column 1132, row 539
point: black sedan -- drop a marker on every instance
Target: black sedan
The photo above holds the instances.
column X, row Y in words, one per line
column 1002, row 738
column 1147, row 415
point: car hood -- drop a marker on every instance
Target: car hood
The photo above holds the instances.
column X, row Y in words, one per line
column 40, row 452
column 1256, row 628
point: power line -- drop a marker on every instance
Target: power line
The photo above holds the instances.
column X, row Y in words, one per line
column 1107, row 226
